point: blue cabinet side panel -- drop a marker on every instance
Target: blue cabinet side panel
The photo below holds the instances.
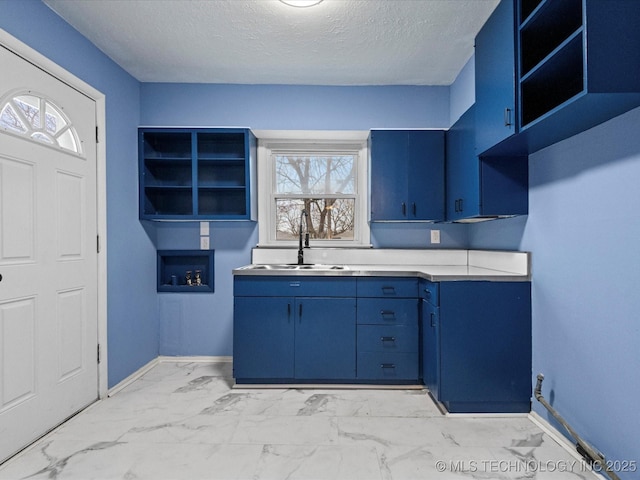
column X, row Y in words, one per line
column 485, row 341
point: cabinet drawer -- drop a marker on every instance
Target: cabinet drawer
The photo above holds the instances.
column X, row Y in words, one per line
column 292, row 286
column 388, row 287
column 382, row 311
column 388, row 338
column 430, row 291
column 387, row 366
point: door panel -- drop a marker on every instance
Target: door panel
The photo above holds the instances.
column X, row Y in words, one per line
column 17, row 352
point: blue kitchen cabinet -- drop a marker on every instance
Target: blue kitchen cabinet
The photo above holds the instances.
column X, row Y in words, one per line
column 577, row 64
column 483, row 333
column 407, row 175
column 485, row 187
column 263, row 338
column 196, row 174
column 294, row 329
column 430, row 319
column 388, row 330
column 495, row 83
column 325, row 338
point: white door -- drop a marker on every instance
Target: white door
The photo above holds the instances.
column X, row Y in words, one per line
column 48, row 257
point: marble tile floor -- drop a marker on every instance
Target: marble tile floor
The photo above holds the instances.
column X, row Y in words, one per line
column 185, row 421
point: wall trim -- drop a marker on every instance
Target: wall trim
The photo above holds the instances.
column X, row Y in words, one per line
column 561, row 440
column 164, row 359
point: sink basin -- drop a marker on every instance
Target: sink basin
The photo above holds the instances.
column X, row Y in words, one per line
column 293, row 266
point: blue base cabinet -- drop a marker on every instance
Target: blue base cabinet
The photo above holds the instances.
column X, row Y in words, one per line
column 263, row 339
column 477, row 346
column 429, row 321
column 294, row 329
column 388, row 337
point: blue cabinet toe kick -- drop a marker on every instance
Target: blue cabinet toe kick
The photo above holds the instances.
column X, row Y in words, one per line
column 371, row 382
column 488, row 407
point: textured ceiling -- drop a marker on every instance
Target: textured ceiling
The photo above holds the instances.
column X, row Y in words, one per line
column 338, row 42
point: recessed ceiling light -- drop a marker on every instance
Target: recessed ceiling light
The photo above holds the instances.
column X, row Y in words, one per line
column 301, row 3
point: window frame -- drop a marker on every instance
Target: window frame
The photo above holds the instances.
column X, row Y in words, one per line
column 325, row 142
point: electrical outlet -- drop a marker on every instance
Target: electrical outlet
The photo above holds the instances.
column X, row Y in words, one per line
column 435, row 236
column 204, row 243
column 204, row 228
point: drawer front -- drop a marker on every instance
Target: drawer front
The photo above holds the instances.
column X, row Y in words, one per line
column 430, row 291
column 381, row 311
column 388, row 287
column 388, row 338
column 387, row 366
column 292, row 286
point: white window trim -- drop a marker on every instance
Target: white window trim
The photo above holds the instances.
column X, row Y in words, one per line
column 351, row 141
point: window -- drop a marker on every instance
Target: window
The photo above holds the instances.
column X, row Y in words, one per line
column 38, row 119
column 326, row 179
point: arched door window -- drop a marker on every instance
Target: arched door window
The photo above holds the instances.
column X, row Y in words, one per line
column 39, row 119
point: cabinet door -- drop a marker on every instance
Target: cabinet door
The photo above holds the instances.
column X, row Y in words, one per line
column 463, row 169
column 407, row 175
column 425, row 175
column 485, row 187
column 388, row 150
column 431, row 348
column 495, row 77
column 263, row 338
column 325, row 339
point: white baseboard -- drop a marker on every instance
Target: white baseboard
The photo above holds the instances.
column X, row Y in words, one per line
column 560, row 439
column 164, row 359
column 195, row 359
column 133, row 377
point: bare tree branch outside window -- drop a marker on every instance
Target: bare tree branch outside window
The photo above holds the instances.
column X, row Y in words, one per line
column 324, row 186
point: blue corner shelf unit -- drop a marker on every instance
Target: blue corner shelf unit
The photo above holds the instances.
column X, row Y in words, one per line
column 196, row 174
column 549, row 69
column 186, row 271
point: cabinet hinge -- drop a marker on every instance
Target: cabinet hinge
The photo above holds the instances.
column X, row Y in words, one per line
column 98, row 243
column 98, row 353
column 97, row 136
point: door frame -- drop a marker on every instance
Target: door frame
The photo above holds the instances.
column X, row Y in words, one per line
column 31, row 55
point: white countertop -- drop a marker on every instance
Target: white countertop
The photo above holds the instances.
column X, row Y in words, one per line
column 435, row 265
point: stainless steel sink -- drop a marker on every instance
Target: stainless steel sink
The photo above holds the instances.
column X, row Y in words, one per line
column 293, row 266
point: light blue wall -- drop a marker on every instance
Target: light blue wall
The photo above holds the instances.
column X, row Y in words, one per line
column 583, row 230
column 291, row 107
column 132, row 321
column 463, row 91
column 582, row 227
column 202, row 324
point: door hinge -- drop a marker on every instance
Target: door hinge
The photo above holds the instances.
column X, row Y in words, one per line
column 97, row 136
column 98, row 243
column 98, row 353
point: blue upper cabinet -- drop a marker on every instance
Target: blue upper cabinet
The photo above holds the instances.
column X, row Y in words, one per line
column 196, row 174
column 577, row 64
column 495, row 62
column 486, row 187
column 407, row 175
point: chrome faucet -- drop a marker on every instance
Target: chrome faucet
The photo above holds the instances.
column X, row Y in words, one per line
column 303, row 214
